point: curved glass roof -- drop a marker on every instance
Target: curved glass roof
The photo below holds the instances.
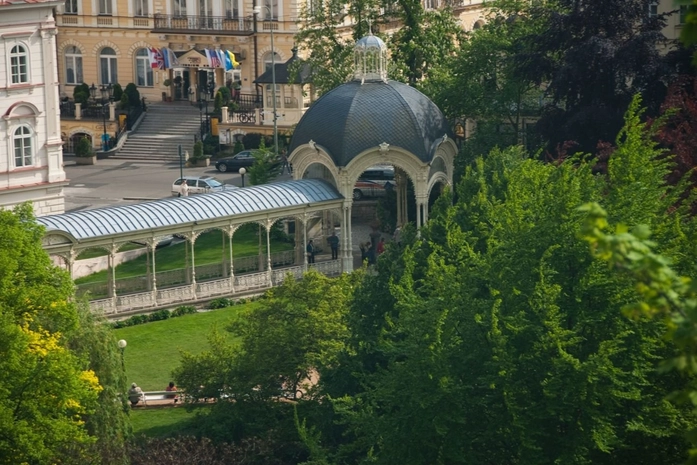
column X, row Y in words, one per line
column 172, row 211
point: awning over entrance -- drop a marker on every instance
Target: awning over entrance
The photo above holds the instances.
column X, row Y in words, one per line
column 233, row 206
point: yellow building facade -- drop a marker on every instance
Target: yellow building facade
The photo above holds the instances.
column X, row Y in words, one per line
column 105, row 42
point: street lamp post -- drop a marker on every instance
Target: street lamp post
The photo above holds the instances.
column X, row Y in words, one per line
column 200, row 116
column 107, row 94
column 242, row 173
column 257, row 11
column 122, row 345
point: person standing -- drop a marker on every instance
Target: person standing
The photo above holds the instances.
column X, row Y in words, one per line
column 310, row 252
column 334, row 245
column 184, row 189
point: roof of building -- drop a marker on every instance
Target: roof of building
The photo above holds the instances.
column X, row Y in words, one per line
column 108, row 221
column 358, row 116
column 286, row 72
column 27, row 2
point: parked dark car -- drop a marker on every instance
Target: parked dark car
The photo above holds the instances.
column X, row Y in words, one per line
column 242, row 159
column 374, row 182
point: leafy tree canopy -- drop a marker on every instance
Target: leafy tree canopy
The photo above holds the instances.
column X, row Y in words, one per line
column 593, row 57
column 498, row 339
column 49, row 388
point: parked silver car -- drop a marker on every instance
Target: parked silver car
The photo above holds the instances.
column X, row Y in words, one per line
column 200, row 185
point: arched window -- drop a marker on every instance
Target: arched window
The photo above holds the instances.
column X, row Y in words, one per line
column 24, row 155
column 143, row 68
column 107, row 66
column 73, row 65
column 478, row 24
column 19, row 69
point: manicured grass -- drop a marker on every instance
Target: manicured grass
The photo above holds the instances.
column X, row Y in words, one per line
column 164, row 422
column 153, row 348
column 210, row 248
column 93, row 253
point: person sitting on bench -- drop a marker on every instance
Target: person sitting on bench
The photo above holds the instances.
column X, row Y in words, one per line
column 172, row 388
column 135, row 394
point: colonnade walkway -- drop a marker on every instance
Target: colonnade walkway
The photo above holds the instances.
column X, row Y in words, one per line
column 111, row 228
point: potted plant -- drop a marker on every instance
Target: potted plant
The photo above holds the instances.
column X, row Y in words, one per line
column 199, row 160
column 167, row 96
column 84, row 152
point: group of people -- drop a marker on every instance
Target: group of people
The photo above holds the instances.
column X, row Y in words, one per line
column 371, row 249
column 136, row 394
column 333, row 242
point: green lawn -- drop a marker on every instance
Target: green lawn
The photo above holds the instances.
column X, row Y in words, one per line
column 164, row 422
column 93, row 253
column 153, row 348
column 210, row 248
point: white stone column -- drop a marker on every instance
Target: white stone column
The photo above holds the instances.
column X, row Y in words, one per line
column 112, row 268
column 225, row 116
column 112, row 111
column 269, row 272
column 153, row 248
column 347, row 265
column 231, row 232
column 193, row 266
column 305, row 243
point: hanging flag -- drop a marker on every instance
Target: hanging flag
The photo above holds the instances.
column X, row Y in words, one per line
column 221, row 58
column 208, row 57
column 234, row 62
column 173, row 61
column 160, row 60
column 165, row 57
column 214, row 60
column 152, row 53
column 228, row 62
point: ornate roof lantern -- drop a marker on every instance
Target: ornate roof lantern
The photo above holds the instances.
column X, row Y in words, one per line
column 370, row 59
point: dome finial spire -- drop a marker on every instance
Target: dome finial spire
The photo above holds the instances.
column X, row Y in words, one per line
column 370, row 58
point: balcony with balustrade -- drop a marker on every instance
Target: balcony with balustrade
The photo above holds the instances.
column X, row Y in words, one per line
column 223, row 25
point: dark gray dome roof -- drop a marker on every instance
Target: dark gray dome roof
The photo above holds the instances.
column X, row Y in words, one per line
column 355, row 117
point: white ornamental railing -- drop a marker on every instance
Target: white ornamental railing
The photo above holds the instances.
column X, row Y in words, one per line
column 188, row 293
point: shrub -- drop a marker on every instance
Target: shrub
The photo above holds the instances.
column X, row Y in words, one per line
column 118, row 92
column 218, row 103
column 253, row 140
column 123, row 103
column 159, row 315
column 184, row 310
column 83, row 148
column 239, row 146
column 198, row 152
column 133, row 95
column 221, row 302
column 136, row 320
column 211, row 144
column 81, row 93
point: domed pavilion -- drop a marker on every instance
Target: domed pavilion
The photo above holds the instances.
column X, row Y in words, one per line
column 370, row 121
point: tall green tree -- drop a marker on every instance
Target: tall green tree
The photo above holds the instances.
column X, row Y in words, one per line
column 266, row 165
column 502, row 340
column 423, row 40
column 593, row 57
column 49, row 391
column 279, row 350
column 480, row 80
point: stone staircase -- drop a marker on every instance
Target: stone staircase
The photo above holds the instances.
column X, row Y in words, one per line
column 164, row 127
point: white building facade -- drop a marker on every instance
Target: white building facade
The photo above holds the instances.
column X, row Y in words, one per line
column 31, row 156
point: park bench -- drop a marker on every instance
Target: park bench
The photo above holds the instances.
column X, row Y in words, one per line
column 159, row 398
